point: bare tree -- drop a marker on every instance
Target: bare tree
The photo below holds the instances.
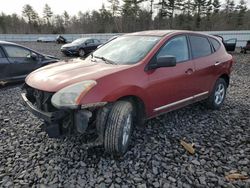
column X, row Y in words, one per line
column 47, row 13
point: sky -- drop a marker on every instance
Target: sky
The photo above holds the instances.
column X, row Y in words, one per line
column 57, row 6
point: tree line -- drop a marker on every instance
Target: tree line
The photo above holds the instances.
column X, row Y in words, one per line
column 133, row 15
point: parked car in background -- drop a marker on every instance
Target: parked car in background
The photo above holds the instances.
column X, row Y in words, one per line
column 132, row 78
column 17, row 61
column 46, row 39
column 246, row 48
column 80, row 47
column 61, row 40
column 110, row 39
column 229, row 44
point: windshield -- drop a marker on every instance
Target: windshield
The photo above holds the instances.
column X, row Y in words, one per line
column 79, row 41
column 127, row 49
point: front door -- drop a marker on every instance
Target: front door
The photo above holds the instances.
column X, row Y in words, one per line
column 22, row 61
column 4, row 66
column 172, row 87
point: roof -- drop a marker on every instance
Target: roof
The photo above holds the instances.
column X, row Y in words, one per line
column 5, row 42
column 162, row 33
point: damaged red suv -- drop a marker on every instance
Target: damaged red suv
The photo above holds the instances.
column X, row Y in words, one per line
column 131, row 79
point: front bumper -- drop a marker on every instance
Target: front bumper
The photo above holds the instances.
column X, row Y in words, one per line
column 49, row 117
column 69, row 51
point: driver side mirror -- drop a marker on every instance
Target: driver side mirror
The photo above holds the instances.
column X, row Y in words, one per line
column 164, row 61
column 34, row 56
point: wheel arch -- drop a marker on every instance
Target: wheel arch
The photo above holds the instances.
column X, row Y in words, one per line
column 226, row 78
column 140, row 108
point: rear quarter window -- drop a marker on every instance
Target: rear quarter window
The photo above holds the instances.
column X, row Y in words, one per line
column 215, row 43
column 200, row 46
column 1, row 53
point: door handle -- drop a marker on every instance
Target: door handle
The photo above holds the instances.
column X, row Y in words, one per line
column 189, row 71
column 217, row 63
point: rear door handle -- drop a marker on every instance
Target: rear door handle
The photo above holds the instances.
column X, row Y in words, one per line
column 218, row 63
column 189, row 71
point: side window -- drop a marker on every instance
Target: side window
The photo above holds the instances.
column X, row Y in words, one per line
column 97, row 41
column 15, row 51
column 200, row 46
column 1, row 53
column 91, row 41
column 177, row 47
column 215, row 43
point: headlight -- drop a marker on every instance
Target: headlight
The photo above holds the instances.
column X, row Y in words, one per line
column 70, row 96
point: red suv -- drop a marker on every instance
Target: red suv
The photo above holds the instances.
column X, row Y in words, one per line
column 131, row 79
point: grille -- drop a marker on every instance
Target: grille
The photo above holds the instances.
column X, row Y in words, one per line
column 40, row 99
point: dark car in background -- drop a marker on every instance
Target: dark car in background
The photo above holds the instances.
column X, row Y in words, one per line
column 61, row 40
column 80, row 47
column 17, row 61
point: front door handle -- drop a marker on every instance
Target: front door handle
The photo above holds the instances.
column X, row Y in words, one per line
column 189, row 71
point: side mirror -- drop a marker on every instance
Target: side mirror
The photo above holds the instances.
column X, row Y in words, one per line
column 33, row 56
column 164, row 61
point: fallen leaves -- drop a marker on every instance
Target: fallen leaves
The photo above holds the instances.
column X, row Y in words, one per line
column 2, row 83
column 236, row 176
column 188, row 147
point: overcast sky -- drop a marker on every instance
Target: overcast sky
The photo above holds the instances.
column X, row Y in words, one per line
column 58, row 6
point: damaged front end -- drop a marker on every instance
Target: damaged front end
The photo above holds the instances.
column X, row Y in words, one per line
column 58, row 122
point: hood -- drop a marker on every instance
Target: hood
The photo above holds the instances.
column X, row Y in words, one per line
column 56, row 76
column 69, row 45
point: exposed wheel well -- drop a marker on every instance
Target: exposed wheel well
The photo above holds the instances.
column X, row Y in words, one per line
column 226, row 78
column 139, row 106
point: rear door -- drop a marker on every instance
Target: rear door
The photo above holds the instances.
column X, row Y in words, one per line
column 22, row 60
column 4, row 66
column 172, row 87
column 204, row 59
column 90, row 45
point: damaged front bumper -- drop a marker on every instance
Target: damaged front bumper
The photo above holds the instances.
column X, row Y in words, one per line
column 60, row 122
column 49, row 117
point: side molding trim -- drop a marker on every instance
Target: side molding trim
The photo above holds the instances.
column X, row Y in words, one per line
column 180, row 101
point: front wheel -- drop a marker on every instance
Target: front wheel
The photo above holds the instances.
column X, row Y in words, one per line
column 82, row 53
column 119, row 128
column 218, row 94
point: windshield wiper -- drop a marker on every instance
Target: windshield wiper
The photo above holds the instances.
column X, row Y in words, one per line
column 105, row 60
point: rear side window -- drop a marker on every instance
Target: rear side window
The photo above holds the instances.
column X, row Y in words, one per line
column 1, row 53
column 177, row 47
column 96, row 41
column 15, row 51
column 200, row 46
column 215, row 43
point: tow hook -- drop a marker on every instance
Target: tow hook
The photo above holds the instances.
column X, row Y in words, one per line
column 82, row 119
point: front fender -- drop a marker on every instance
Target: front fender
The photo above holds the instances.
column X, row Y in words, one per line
column 112, row 95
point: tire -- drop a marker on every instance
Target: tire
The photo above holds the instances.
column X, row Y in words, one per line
column 119, row 128
column 218, row 95
column 81, row 53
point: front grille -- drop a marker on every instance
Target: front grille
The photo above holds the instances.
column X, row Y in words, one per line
column 40, row 99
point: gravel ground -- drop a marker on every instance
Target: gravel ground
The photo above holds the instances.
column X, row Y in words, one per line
column 222, row 142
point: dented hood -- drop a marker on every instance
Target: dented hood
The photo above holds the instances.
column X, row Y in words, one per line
column 54, row 77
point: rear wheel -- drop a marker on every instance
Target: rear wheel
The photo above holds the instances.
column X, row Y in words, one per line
column 119, row 128
column 82, row 53
column 218, row 95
